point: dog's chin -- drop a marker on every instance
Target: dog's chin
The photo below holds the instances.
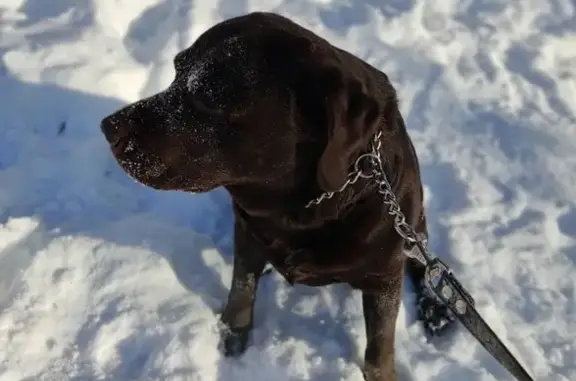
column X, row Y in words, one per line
column 165, row 181
column 154, row 173
column 199, row 188
column 173, row 186
column 150, row 174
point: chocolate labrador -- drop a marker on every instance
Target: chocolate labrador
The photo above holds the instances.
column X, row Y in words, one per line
column 277, row 115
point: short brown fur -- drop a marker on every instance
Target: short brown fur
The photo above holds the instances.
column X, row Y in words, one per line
column 277, row 115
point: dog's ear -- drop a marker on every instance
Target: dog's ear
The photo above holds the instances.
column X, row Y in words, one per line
column 352, row 116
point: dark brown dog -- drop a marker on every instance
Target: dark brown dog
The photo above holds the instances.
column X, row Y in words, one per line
column 277, row 115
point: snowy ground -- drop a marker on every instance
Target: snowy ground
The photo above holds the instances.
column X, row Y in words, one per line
column 104, row 279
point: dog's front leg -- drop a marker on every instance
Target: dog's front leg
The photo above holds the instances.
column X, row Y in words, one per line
column 238, row 313
column 380, row 312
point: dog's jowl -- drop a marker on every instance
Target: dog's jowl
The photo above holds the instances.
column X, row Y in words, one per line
column 277, row 115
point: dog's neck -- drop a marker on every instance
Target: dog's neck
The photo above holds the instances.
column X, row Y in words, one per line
column 282, row 210
column 286, row 209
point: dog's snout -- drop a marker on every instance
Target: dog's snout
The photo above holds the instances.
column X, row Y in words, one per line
column 116, row 131
column 113, row 128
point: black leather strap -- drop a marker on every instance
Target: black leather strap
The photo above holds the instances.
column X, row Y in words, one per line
column 449, row 290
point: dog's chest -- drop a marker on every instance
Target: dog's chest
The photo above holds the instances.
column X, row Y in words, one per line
column 311, row 265
column 300, row 272
column 321, row 257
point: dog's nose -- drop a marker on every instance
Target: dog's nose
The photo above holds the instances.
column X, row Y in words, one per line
column 115, row 130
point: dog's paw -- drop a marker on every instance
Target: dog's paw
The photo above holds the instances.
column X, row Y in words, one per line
column 434, row 315
column 233, row 343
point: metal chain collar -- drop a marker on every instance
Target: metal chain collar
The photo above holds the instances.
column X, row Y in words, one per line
column 370, row 165
column 375, row 170
column 358, row 173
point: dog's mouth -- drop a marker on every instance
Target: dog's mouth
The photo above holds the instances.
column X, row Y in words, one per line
column 120, row 145
column 198, row 188
column 138, row 165
column 161, row 172
column 152, row 172
column 142, row 170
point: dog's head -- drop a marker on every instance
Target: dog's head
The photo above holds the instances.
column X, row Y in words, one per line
column 256, row 99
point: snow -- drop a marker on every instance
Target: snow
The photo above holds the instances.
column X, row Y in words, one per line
column 104, row 279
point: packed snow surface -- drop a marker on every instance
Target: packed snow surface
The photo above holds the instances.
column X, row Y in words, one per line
column 105, row 279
